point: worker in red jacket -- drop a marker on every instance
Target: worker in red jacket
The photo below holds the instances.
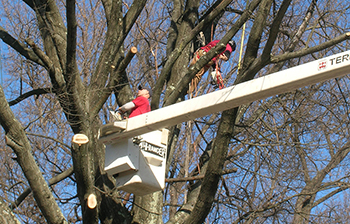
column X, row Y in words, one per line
column 139, row 105
column 225, row 55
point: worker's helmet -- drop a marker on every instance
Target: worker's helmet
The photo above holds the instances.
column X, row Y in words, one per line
column 232, row 43
column 148, row 89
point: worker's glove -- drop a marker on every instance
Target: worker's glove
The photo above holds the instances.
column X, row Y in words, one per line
column 214, row 74
column 119, row 115
column 116, row 115
column 213, row 78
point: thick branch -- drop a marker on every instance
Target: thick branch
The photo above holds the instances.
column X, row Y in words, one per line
column 53, row 31
column 18, row 141
column 71, row 43
column 254, row 39
column 264, row 58
column 74, row 108
column 275, row 28
column 56, row 76
column 34, row 92
column 19, row 47
column 306, row 51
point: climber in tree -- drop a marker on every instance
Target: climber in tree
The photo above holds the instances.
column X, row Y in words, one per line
column 216, row 74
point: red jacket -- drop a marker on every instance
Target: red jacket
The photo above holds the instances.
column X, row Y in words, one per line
column 141, row 106
column 210, row 45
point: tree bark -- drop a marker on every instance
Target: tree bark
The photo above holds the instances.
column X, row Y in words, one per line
column 6, row 215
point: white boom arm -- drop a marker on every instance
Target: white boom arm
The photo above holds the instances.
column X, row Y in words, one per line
column 280, row 82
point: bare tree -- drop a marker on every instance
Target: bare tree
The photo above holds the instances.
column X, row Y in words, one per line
column 282, row 159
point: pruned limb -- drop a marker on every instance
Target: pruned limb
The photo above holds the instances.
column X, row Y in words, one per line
column 122, row 66
column 113, row 81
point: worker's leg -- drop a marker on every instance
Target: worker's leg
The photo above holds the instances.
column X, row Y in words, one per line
column 217, row 80
column 194, row 60
column 196, row 79
column 220, row 81
column 196, row 56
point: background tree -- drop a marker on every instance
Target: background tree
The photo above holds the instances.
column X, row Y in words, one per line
column 281, row 159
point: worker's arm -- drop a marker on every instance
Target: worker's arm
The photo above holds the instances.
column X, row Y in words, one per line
column 223, row 57
column 126, row 107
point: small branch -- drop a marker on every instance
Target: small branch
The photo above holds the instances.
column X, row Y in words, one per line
column 185, row 179
column 48, row 137
column 51, row 182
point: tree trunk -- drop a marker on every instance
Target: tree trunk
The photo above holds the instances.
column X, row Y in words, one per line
column 148, row 208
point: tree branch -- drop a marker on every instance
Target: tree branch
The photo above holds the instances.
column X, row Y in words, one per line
column 53, row 31
column 251, row 63
column 274, row 31
column 26, row 95
column 341, row 187
column 19, row 47
column 306, row 51
column 51, row 182
column 113, row 81
column 18, row 141
column 55, row 74
column 185, row 179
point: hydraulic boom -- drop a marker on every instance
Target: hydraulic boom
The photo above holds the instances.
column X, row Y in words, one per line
column 280, row 82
